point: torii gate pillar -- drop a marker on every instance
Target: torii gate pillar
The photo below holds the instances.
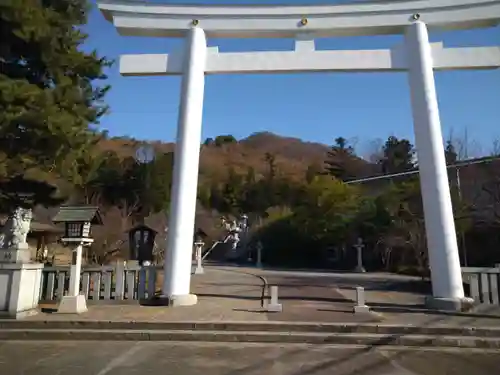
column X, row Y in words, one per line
column 177, row 266
column 446, row 275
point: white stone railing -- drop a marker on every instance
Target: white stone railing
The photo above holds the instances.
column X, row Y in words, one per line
column 484, row 284
column 112, row 282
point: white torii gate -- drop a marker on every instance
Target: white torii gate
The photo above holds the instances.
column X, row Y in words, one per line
column 305, row 23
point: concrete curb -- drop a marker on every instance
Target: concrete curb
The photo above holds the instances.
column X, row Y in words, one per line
column 250, row 337
column 247, row 327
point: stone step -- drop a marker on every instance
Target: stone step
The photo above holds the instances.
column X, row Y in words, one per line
column 251, row 337
column 279, row 327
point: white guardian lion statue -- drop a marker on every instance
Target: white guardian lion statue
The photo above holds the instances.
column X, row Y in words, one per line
column 16, row 228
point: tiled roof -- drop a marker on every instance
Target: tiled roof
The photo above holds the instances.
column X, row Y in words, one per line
column 78, row 214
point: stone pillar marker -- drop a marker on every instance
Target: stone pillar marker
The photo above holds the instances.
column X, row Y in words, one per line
column 274, row 305
column 360, row 306
column 198, row 247
column 359, row 250
column 446, row 275
column 19, row 278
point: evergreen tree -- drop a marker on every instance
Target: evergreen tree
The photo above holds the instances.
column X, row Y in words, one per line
column 224, row 139
column 109, row 177
column 327, row 209
column 450, row 154
column 128, row 185
column 84, row 170
column 27, row 193
column 47, row 94
column 145, row 186
column 160, row 185
column 231, row 192
column 271, row 163
column 216, row 199
column 338, row 158
column 209, row 142
column 398, row 156
column 256, row 196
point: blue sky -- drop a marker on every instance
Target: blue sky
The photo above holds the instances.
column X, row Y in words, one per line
column 315, row 107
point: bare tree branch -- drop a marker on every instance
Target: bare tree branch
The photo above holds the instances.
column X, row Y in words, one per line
column 373, row 151
column 495, row 149
column 465, row 147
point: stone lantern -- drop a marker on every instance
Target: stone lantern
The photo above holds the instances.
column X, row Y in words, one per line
column 77, row 222
column 141, row 242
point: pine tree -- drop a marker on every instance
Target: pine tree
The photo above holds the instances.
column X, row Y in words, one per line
column 224, row 139
column 450, row 154
column 22, row 192
column 338, row 158
column 48, row 98
column 398, row 155
column 231, row 191
column 271, row 164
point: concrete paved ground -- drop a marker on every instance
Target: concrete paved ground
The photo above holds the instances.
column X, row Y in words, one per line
column 393, row 299
column 222, row 295
column 313, row 298
column 144, row 358
column 234, row 294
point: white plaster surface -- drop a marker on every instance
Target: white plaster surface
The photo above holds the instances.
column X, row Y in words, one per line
column 439, row 223
column 185, row 175
column 305, row 59
column 367, row 18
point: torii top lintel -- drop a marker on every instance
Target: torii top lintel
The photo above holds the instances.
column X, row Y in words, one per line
column 287, row 21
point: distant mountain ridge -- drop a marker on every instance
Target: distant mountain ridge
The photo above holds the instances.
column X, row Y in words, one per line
column 292, row 155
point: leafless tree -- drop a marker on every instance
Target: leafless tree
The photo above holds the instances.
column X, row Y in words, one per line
column 465, row 147
column 492, row 189
column 373, row 150
column 495, row 148
column 353, row 142
column 110, row 238
column 158, row 221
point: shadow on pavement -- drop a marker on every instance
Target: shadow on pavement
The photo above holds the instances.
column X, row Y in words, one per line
column 350, row 357
column 229, row 296
column 413, row 309
column 382, row 307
